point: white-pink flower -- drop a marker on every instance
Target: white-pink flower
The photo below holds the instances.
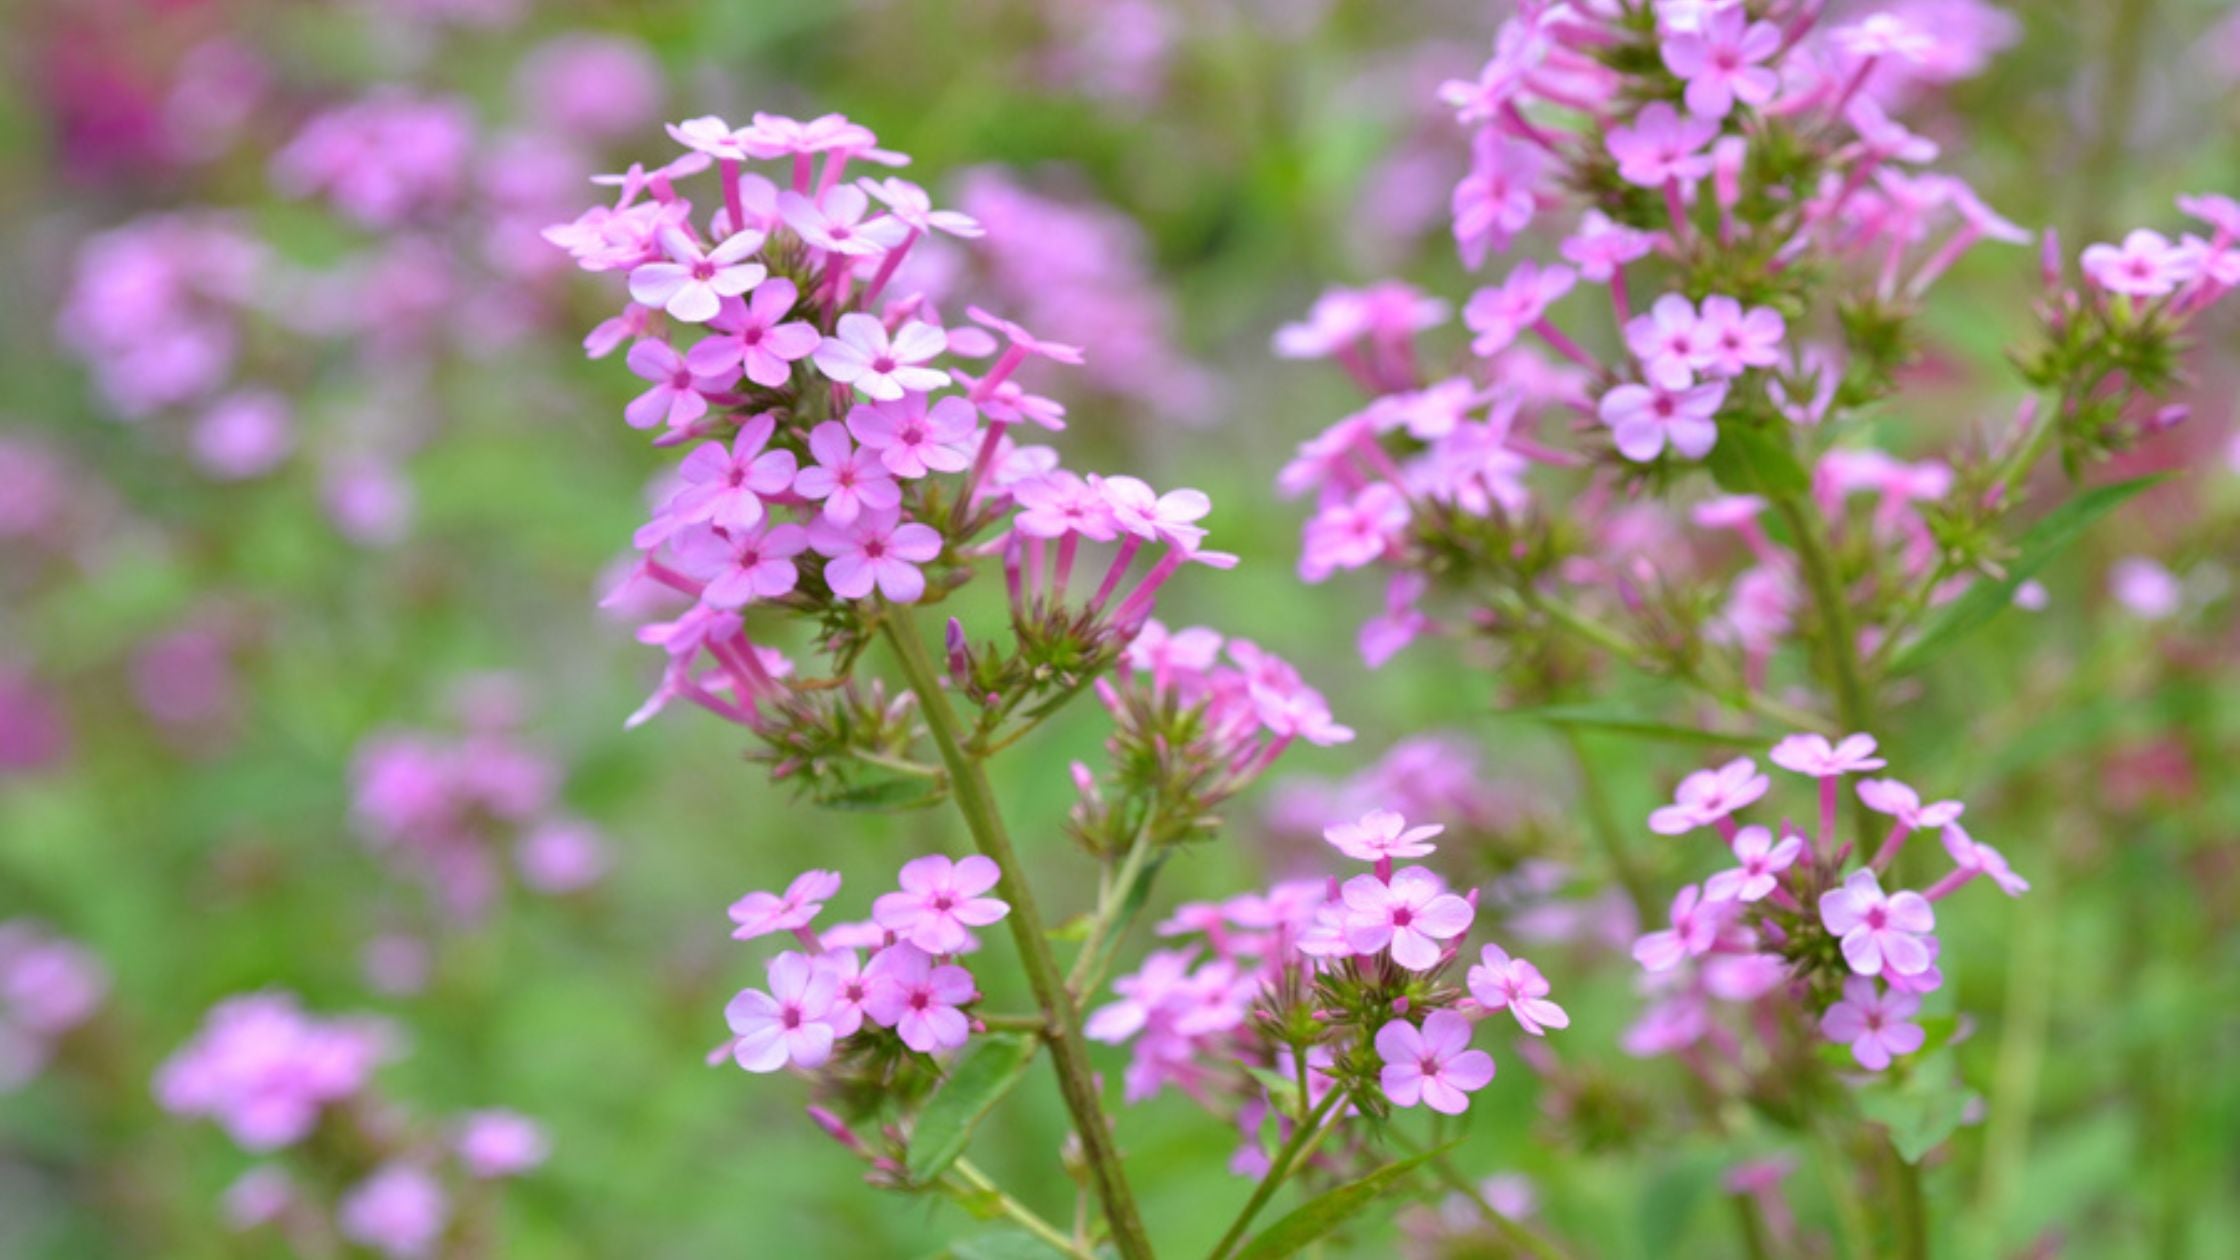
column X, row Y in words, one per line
column 1500, row 982
column 1879, row 932
column 1762, row 859
column 725, row 487
column 940, row 901
column 1977, row 858
column 919, row 999
column 1696, row 922
column 1644, row 419
column 847, row 478
column 691, row 286
column 2146, row 264
column 836, row 224
column 876, row 550
column 761, row 913
column 791, row 1024
column 1814, row 757
column 1381, row 836
column 1412, row 914
column 1722, row 61
column 754, row 337
column 862, row 355
column 1706, row 796
column 913, row 439
column 1877, row 1026
column 1434, row 1065
column 740, row 565
column 1899, row 801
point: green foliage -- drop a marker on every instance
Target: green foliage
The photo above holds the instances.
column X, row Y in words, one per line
column 989, row 1068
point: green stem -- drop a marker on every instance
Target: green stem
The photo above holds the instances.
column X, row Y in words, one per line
column 1607, row 832
column 980, row 1185
column 1913, row 1217
column 1851, row 1214
column 1840, row 647
column 1304, row 1138
column 1514, row 1233
column 975, row 800
column 1089, row 966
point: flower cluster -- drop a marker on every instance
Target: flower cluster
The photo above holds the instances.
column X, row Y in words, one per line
column 1318, row 993
column 1796, row 917
column 828, row 992
column 277, row 1078
column 48, row 987
column 453, row 812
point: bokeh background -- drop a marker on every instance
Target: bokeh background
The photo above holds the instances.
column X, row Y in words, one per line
column 207, row 623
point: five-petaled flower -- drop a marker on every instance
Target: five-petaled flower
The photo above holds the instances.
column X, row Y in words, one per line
column 1413, row 913
column 861, row 354
column 919, row 998
column 761, row 913
column 691, row 286
column 1878, row 1026
column 791, row 1024
column 1706, row 796
column 1433, row 1065
column 878, row 549
column 940, row 902
column 1879, row 932
column 1381, row 836
column 1500, row 982
column 1762, row 859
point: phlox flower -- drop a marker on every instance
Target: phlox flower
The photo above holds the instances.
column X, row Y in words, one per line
column 1602, row 245
column 940, row 901
column 677, row 397
column 497, row 1143
column 755, row 337
column 1644, row 419
column 1497, row 198
column 1059, row 503
column 1814, row 757
column 1342, row 317
column 1433, row 1065
column 691, row 286
column 862, row 355
column 908, row 203
column 725, row 487
column 1721, row 61
column 913, row 439
column 1977, row 858
column 1500, row 315
column 1899, row 801
column 710, row 135
column 836, row 224
column 1877, row 1026
column 1706, row 796
column 1696, row 922
column 740, row 565
column 1660, row 146
column 1412, row 914
column 2146, row 587
column 1350, row 533
column 2146, row 264
column 1763, row 860
column 1139, row 510
column 1670, row 341
column 791, row 1024
column 1734, row 340
column 1500, row 982
column 1151, row 987
column 1381, row 836
column 1878, row 932
column 1884, row 35
column 877, row 549
column 762, row 913
column 847, row 478
column 918, row 998
column 851, row 988
column 399, row 1212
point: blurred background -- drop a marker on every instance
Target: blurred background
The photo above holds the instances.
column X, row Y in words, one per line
column 306, row 487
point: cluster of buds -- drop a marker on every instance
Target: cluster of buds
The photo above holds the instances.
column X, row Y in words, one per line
column 49, row 987
column 1801, row 916
column 1764, row 231
column 827, row 998
column 1319, row 996
column 344, row 1163
column 841, row 456
column 453, row 812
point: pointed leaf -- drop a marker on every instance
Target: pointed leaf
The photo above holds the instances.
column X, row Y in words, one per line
column 990, row 1065
column 1988, row 597
column 1750, row 460
column 1326, row 1212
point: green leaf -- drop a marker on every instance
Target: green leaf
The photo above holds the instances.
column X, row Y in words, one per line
column 1326, row 1212
column 1283, row 1091
column 1920, row 1111
column 977, row 1081
column 1988, row 597
column 1620, row 722
column 884, row 795
column 1756, row 461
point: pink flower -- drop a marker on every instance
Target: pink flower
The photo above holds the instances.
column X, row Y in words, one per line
column 725, row 488
column 1695, row 927
column 1877, row 1026
column 1977, row 858
column 1661, row 146
column 836, row 225
column 1500, row 315
column 1391, row 311
column 1733, row 340
column 501, row 1144
column 676, row 397
column 1497, row 198
column 1762, row 863
column 1721, row 59
column 1500, row 982
column 918, row 999
column 792, row 1023
column 849, row 479
column 400, row 1212
column 692, row 284
column 851, row 988
column 1139, row 510
column 1601, row 246
column 740, row 565
column 1707, row 796
column 1813, row 757
column 1434, row 1066
column 1643, row 419
column 1350, row 533
column 761, row 913
column 1670, row 342
column 912, row 439
column 1878, row 932
column 940, row 900
column 2146, row 588
column 1888, row 796
column 1380, row 836
column 877, row 549
column 754, row 339
column 1412, row 914
column 2145, row 265
column 908, row 202
column 1059, row 503
column 862, row 355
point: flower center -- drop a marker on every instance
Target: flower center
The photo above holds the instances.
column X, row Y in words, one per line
column 883, row 364
column 1402, row 916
